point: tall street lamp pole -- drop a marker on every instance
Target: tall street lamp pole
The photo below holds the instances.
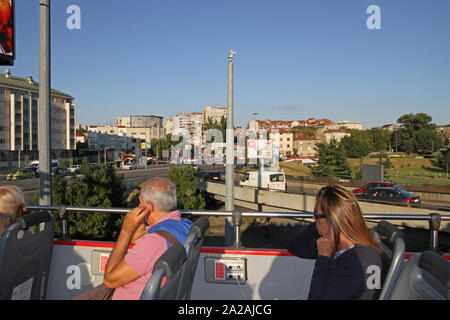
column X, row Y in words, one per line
column 44, row 131
column 229, row 173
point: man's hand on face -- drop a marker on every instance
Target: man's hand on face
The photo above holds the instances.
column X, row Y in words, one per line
column 134, row 221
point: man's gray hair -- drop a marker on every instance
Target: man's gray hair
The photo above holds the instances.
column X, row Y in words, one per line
column 161, row 193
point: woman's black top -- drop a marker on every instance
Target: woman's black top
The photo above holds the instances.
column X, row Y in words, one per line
column 352, row 274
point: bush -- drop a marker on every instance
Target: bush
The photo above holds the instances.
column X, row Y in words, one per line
column 188, row 197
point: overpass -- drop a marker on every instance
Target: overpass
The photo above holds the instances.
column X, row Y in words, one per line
column 270, row 201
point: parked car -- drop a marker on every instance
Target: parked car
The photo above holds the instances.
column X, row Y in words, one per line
column 60, row 170
column 213, row 176
column 19, row 174
column 76, row 168
column 372, row 185
column 390, row 195
column 129, row 166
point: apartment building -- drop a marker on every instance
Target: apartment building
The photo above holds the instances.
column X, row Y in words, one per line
column 283, row 140
column 304, row 146
column 287, row 124
column 346, row 125
column 19, row 118
column 215, row 113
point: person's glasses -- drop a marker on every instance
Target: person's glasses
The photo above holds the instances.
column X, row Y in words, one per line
column 318, row 215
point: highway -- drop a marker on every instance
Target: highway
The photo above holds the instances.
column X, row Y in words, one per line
column 131, row 179
column 134, row 177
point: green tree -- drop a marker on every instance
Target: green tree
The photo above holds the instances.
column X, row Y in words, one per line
column 417, row 134
column 188, row 197
column 357, row 145
column 332, row 161
column 443, row 159
column 159, row 145
column 213, row 124
column 99, row 188
column 380, row 139
column 59, row 187
column 306, row 130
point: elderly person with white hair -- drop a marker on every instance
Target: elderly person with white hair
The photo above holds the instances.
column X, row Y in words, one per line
column 152, row 226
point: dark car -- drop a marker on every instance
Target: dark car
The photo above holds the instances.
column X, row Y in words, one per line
column 213, row 175
column 390, row 195
column 372, row 185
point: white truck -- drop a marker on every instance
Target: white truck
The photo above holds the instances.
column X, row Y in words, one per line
column 267, row 180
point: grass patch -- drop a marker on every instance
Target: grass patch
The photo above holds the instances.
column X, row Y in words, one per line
column 410, row 170
column 295, row 168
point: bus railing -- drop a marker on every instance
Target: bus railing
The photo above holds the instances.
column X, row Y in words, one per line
column 434, row 219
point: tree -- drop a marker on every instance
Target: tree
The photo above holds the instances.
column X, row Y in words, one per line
column 99, row 188
column 443, row 158
column 306, row 130
column 417, row 134
column 357, row 145
column 380, row 139
column 188, row 197
column 332, row 161
column 159, row 145
column 59, row 187
column 213, row 124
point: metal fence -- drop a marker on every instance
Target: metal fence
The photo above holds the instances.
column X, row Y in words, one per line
column 433, row 218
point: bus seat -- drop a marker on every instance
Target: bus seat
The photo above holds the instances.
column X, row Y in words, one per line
column 392, row 244
column 168, row 265
column 25, row 262
column 426, row 276
column 192, row 245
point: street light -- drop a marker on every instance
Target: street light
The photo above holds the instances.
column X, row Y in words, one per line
column 229, row 168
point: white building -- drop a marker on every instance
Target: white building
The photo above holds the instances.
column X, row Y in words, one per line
column 282, row 139
column 19, row 112
column 214, row 112
column 345, row 124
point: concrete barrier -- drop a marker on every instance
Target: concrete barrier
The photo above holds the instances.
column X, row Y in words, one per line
column 315, row 187
column 266, row 201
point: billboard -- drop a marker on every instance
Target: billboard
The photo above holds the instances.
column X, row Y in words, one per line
column 259, row 149
column 7, row 37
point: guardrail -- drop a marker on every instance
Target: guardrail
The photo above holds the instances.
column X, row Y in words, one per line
column 433, row 218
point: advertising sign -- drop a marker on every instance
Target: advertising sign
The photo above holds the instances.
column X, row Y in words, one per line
column 259, row 149
column 7, row 39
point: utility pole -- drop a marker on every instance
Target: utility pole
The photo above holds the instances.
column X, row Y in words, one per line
column 229, row 173
column 44, row 131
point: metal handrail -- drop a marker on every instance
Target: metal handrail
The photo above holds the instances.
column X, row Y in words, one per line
column 433, row 218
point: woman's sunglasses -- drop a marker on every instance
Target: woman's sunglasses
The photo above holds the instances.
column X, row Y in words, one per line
column 318, row 215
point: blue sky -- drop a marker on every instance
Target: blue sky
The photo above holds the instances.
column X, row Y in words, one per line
column 295, row 59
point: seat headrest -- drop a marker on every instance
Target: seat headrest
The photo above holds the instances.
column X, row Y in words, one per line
column 388, row 231
column 200, row 226
column 34, row 218
column 171, row 260
column 437, row 266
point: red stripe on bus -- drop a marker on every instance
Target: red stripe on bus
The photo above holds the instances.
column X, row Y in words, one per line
column 81, row 243
column 214, row 250
column 253, row 252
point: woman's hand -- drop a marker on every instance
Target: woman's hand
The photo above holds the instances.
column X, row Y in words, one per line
column 325, row 246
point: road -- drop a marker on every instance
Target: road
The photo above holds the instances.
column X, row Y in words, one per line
column 133, row 177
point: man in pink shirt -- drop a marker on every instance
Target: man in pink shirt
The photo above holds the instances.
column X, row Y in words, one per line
column 129, row 272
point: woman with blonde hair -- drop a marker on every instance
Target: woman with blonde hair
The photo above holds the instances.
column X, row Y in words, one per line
column 348, row 260
column 12, row 206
